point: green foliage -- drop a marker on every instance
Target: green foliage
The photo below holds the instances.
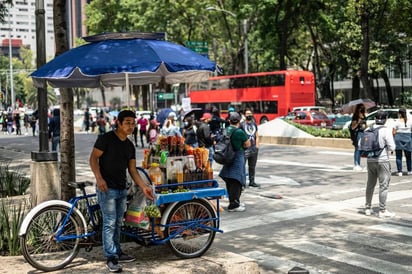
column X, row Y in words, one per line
column 12, row 183
column 322, row 132
column 12, row 213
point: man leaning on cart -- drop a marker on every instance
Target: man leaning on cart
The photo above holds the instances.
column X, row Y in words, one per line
column 112, row 154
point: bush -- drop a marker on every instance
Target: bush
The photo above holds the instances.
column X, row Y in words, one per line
column 12, row 212
column 12, row 183
column 322, row 132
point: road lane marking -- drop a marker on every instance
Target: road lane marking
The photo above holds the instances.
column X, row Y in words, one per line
column 304, row 211
column 280, row 264
column 346, row 257
column 396, row 229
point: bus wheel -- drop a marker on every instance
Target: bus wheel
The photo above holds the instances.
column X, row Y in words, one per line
column 263, row 120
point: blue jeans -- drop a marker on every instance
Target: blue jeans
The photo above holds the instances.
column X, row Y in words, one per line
column 399, row 160
column 113, row 206
column 356, row 157
column 55, row 142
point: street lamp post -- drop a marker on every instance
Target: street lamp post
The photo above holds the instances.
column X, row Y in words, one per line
column 245, row 32
column 11, row 67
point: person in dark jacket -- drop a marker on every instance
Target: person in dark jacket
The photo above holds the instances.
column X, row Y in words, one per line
column 204, row 136
column 54, row 129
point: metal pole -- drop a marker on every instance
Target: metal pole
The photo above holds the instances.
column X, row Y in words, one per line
column 41, row 60
column 245, row 31
column 11, row 66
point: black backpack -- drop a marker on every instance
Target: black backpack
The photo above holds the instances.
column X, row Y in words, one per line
column 224, row 151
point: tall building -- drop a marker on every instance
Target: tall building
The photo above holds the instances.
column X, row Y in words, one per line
column 20, row 27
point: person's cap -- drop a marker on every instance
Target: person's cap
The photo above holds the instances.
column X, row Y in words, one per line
column 380, row 117
column 234, row 117
column 205, row 116
column 154, row 122
column 231, row 109
column 172, row 115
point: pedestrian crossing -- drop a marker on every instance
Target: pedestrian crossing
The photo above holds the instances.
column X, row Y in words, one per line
column 355, row 244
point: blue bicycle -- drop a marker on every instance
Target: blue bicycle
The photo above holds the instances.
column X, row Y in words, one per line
column 53, row 232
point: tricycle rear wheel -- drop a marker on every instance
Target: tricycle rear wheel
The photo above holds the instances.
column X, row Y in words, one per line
column 191, row 227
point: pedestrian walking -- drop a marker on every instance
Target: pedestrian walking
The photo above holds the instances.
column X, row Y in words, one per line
column 113, row 153
column 33, row 123
column 86, row 120
column 402, row 131
column 250, row 127
column 17, row 123
column 54, row 129
column 169, row 127
column 142, row 122
column 379, row 168
column 234, row 174
column 356, row 128
column 189, row 133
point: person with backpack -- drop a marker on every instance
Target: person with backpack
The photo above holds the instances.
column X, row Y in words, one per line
column 356, row 128
column 234, row 173
column 250, row 127
column 379, row 167
column 403, row 140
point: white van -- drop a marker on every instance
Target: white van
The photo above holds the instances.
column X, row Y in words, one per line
column 310, row 108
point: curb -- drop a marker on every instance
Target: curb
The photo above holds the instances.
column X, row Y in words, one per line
column 341, row 143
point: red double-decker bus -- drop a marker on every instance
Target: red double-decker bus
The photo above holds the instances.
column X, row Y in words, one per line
column 267, row 94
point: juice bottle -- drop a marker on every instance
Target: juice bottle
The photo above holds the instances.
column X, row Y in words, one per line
column 179, row 172
column 155, row 174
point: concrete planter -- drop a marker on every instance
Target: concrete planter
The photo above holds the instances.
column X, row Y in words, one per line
column 341, row 143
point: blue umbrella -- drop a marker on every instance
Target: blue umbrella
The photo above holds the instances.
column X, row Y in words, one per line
column 162, row 115
column 123, row 61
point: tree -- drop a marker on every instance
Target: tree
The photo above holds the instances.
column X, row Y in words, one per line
column 66, row 106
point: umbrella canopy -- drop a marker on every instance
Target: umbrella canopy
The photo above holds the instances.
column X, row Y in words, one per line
column 122, row 61
column 196, row 112
column 351, row 106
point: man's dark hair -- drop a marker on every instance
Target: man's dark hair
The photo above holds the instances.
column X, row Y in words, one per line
column 124, row 114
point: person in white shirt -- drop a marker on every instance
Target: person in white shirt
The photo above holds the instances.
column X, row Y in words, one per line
column 403, row 141
column 379, row 168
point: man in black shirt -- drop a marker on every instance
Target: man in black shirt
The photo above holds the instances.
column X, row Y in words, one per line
column 112, row 154
column 204, row 136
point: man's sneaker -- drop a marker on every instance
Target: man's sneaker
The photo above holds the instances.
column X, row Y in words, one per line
column 237, row 209
column 114, row 266
column 386, row 214
column 357, row 168
column 124, row 258
column 368, row 212
column 242, row 204
column 254, row 185
column 409, row 172
column 399, row 174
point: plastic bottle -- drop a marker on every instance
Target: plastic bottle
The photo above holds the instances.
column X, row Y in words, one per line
column 155, row 174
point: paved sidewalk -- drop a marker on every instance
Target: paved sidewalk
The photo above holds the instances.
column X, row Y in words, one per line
column 153, row 259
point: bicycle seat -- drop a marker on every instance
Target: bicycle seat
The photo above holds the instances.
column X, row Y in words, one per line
column 80, row 185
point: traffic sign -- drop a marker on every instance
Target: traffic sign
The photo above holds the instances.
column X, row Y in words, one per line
column 200, row 47
column 165, row 96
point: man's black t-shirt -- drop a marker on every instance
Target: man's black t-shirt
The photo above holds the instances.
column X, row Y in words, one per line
column 115, row 158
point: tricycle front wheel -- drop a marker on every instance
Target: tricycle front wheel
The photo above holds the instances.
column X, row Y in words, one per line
column 191, row 226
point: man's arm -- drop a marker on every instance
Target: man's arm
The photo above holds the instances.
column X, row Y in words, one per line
column 147, row 190
column 94, row 165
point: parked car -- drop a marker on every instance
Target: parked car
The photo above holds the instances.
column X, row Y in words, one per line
column 339, row 120
column 312, row 118
column 392, row 117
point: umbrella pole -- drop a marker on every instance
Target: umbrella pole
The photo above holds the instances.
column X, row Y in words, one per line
column 127, row 90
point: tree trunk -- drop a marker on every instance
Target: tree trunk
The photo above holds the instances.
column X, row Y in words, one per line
column 355, row 87
column 66, row 106
column 366, row 92
column 388, row 87
column 103, row 95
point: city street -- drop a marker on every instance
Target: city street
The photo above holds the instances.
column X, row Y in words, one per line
column 317, row 223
